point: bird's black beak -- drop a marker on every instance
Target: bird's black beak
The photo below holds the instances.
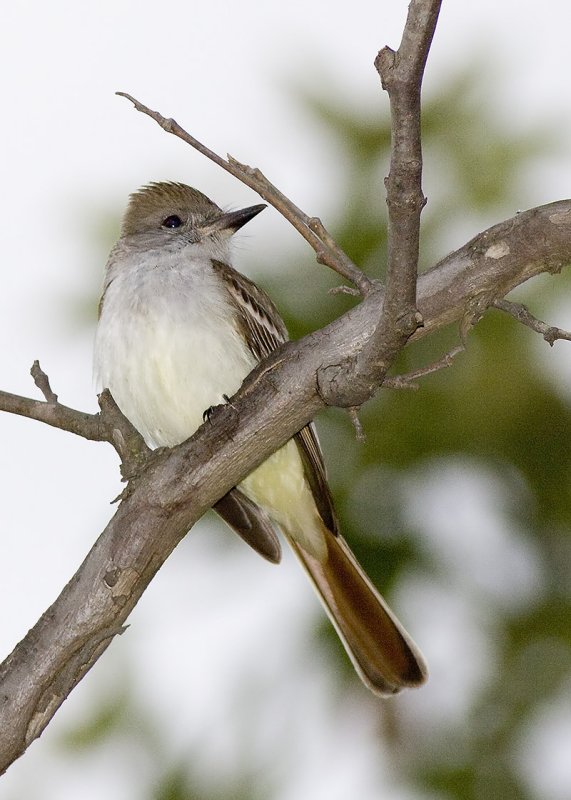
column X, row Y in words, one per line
column 234, row 220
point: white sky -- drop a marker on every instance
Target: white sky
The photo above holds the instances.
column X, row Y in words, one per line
column 71, row 152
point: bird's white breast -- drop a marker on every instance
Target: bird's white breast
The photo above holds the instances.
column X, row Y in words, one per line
column 166, row 346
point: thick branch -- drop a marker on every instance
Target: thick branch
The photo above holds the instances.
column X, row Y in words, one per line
column 179, row 485
column 465, row 283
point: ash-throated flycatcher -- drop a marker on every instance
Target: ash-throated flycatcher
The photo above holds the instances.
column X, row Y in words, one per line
column 179, row 330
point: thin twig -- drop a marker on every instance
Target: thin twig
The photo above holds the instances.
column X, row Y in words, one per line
column 124, row 437
column 43, row 382
column 311, row 228
column 522, row 314
column 408, row 381
column 55, row 414
column 108, row 426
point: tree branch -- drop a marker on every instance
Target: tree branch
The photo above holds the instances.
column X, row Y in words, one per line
column 518, row 311
column 401, row 75
column 409, row 380
column 55, row 414
column 398, row 317
column 501, row 258
column 43, row 382
column 108, row 426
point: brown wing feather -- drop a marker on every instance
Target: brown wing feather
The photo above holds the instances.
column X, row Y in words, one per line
column 251, row 523
column 314, row 466
column 264, row 331
column 259, row 319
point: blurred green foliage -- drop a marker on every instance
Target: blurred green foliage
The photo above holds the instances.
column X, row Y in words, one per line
column 493, row 407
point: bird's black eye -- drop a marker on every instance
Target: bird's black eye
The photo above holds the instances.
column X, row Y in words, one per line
column 174, row 221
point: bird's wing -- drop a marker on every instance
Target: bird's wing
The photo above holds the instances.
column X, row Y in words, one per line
column 264, row 331
column 251, row 523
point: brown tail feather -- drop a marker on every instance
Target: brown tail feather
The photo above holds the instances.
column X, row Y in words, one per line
column 383, row 653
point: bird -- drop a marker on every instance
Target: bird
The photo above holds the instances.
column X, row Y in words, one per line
column 179, row 329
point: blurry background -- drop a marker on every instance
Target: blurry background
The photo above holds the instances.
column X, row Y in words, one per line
column 229, row 682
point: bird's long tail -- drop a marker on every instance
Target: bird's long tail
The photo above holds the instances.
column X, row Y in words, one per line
column 383, row 653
